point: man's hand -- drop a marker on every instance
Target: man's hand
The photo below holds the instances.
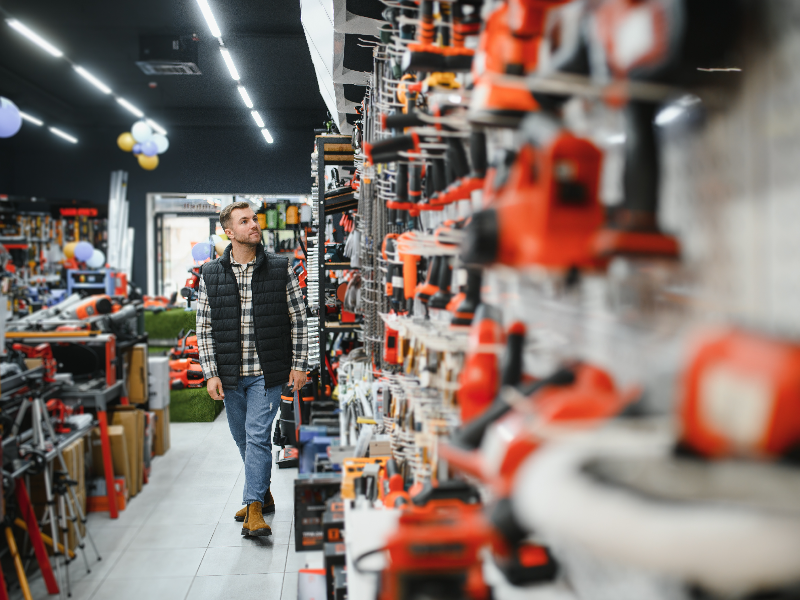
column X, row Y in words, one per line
column 214, row 387
column 297, row 379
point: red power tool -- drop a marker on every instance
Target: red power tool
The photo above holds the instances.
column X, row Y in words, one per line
column 43, row 351
column 548, row 212
column 187, row 348
column 186, row 373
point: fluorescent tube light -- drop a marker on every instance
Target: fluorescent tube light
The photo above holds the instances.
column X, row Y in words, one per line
column 31, row 119
column 34, row 37
column 226, row 56
column 92, row 79
column 257, row 118
column 156, row 127
column 267, row 136
column 212, row 22
column 130, row 107
column 247, row 102
column 61, row 134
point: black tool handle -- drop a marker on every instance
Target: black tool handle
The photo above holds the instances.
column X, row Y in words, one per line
column 512, row 367
column 457, row 158
column 401, row 182
column 642, row 174
column 415, row 183
column 401, row 120
column 388, row 150
column 477, row 153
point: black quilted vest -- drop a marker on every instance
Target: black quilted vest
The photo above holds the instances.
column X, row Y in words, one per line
column 270, row 317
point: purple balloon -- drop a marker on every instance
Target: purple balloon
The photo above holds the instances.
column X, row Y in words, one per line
column 83, row 251
column 200, row 251
column 10, row 119
column 137, row 148
column 149, row 148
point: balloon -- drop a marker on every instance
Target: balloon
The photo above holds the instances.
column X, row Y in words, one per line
column 149, row 148
column 69, row 250
column 219, row 244
column 137, row 149
column 84, row 251
column 97, row 260
column 141, row 132
column 162, row 143
column 201, row 251
column 148, row 163
column 125, row 141
column 10, row 119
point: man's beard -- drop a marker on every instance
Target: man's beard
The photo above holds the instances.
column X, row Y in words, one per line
column 244, row 240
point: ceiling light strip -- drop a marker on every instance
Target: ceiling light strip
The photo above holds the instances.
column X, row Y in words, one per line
column 31, row 119
column 209, row 17
column 63, row 135
column 243, row 92
column 130, row 107
column 35, row 38
column 226, row 56
column 44, row 44
column 92, row 79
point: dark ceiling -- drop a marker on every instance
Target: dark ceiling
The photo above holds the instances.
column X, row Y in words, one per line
column 265, row 38
column 215, row 145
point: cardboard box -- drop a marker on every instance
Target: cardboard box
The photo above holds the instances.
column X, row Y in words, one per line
column 158, row 373
column 137, row 374
column 161, row 437
column 132, row 420
column 119, row 452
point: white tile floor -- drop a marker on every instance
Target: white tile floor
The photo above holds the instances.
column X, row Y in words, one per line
column 177, row 539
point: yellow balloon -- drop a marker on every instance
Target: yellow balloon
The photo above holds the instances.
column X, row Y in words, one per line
column 148, row 163
column 125, row 141
column 69, row 249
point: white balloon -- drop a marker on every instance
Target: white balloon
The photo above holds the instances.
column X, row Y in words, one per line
column 97, row 260
column 10, row 119
column 162, row 143
column 141, row 132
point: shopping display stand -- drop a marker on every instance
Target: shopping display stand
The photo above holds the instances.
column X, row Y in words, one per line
column 332, row 150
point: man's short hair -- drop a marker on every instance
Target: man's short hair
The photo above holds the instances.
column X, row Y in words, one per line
column 225, row 213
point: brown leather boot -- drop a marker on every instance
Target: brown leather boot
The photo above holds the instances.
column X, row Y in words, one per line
column 254, row 524
column 269, row 507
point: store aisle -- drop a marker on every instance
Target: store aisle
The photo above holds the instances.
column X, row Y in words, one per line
column 177, row 538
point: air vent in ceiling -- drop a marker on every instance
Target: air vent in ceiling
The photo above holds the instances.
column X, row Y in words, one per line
column 168, row 55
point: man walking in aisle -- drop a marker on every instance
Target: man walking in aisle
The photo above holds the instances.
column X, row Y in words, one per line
column 251, row 331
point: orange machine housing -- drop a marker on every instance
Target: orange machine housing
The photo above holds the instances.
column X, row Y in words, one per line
column 741, row 396
column 548, row 212
column 480, row 378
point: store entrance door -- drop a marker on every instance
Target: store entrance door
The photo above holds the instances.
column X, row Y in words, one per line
column 175, row 235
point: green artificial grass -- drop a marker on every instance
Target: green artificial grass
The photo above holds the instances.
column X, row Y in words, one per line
column 167, row 325
column 186, row 406
column 193, row 406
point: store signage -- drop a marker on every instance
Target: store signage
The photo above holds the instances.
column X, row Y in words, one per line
column 78, row 212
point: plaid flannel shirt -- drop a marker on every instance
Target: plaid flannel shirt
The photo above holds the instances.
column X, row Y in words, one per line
column 250, row 366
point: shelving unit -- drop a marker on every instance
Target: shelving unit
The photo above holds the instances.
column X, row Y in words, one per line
column 331, row 150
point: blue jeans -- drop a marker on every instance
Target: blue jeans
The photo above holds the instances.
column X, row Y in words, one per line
column 251, row 410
